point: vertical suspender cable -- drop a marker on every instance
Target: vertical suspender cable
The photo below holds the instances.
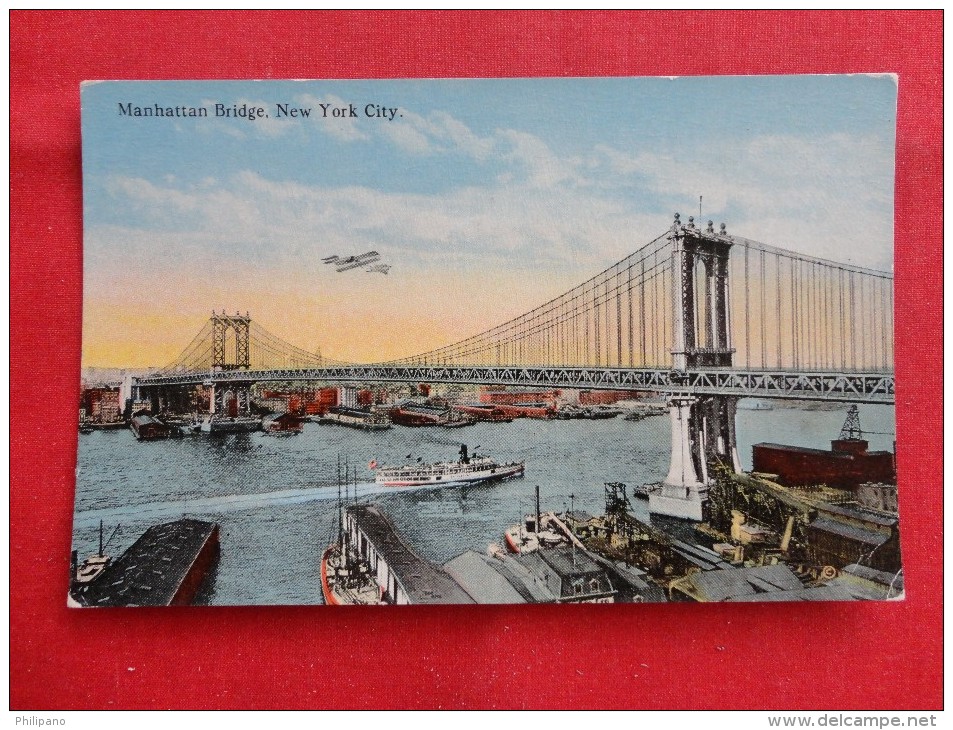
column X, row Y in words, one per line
column 653, row 321
column 596, row 323
column 618, row 318
column 852, row 323
column 861, row 363
column 642, row 333
column 812, row 325
column 747, row 286
column 778, row 334
column 841, row 318
column 629, row 290
column 763, row 314
column 823, row 312
column 792, row 360
column 585, row 313
column 884, row 318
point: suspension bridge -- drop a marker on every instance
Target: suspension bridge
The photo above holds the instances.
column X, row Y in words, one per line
column 697, row 315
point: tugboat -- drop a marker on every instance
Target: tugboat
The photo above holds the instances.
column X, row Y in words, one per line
column 92, row 568
column 533, row 533
column 346, row 580
column 469, row 469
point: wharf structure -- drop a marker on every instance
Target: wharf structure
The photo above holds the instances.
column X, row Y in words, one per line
column 404, row 576
column 847, row 465
column 281, row 423
column 771, row 543
column 756, row 518
column 484, row 412
column 166, row 566
column 362, row 418
column 410, row 413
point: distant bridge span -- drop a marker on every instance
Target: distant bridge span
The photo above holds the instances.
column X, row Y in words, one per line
column 821, row 386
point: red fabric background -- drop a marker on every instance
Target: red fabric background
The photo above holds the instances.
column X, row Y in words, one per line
column 753, row 656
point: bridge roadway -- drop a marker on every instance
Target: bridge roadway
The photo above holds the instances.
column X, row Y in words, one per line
column 856, row 387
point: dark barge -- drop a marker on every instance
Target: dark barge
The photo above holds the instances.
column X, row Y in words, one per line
column 166, row 566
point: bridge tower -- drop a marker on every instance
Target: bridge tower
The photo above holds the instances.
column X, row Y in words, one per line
column 233, row 398
column 221, row 325
column 703, row 427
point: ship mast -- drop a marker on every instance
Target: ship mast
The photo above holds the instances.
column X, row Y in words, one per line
column 340, row 510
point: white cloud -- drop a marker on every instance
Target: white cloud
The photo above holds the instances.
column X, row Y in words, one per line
column 438, row 133
column 829, row 196
column 526, row 155
column 275, row 223
column 542, row 167
column 409, row 137
column 151, row 196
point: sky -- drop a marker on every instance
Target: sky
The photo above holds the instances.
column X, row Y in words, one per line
column 486, row 197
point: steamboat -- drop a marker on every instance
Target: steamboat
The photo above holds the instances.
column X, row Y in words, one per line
column 468, row 469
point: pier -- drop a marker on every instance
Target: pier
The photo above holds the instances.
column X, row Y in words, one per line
column 404, row 576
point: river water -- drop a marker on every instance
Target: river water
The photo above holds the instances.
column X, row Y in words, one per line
column 275, row 498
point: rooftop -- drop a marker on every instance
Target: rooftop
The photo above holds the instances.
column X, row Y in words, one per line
column 857, row 534
column 733, row 584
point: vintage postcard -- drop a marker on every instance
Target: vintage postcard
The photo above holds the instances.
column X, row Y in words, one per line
column 487, row 341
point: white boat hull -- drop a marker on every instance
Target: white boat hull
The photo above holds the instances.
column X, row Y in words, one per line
column 448, row 479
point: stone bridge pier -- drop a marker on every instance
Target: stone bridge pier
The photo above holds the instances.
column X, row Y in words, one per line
column 703, row 433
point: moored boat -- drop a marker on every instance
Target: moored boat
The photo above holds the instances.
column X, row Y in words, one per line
column 93, row 566
column 534, row 532
column 645, row 490
column 347, row 582
column 570, row 412
column 347, row 579
column 362, row 418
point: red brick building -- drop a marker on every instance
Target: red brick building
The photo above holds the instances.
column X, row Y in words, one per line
column 847, row 465
column 519, row 397
column 310, row 402
column 102, row 405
